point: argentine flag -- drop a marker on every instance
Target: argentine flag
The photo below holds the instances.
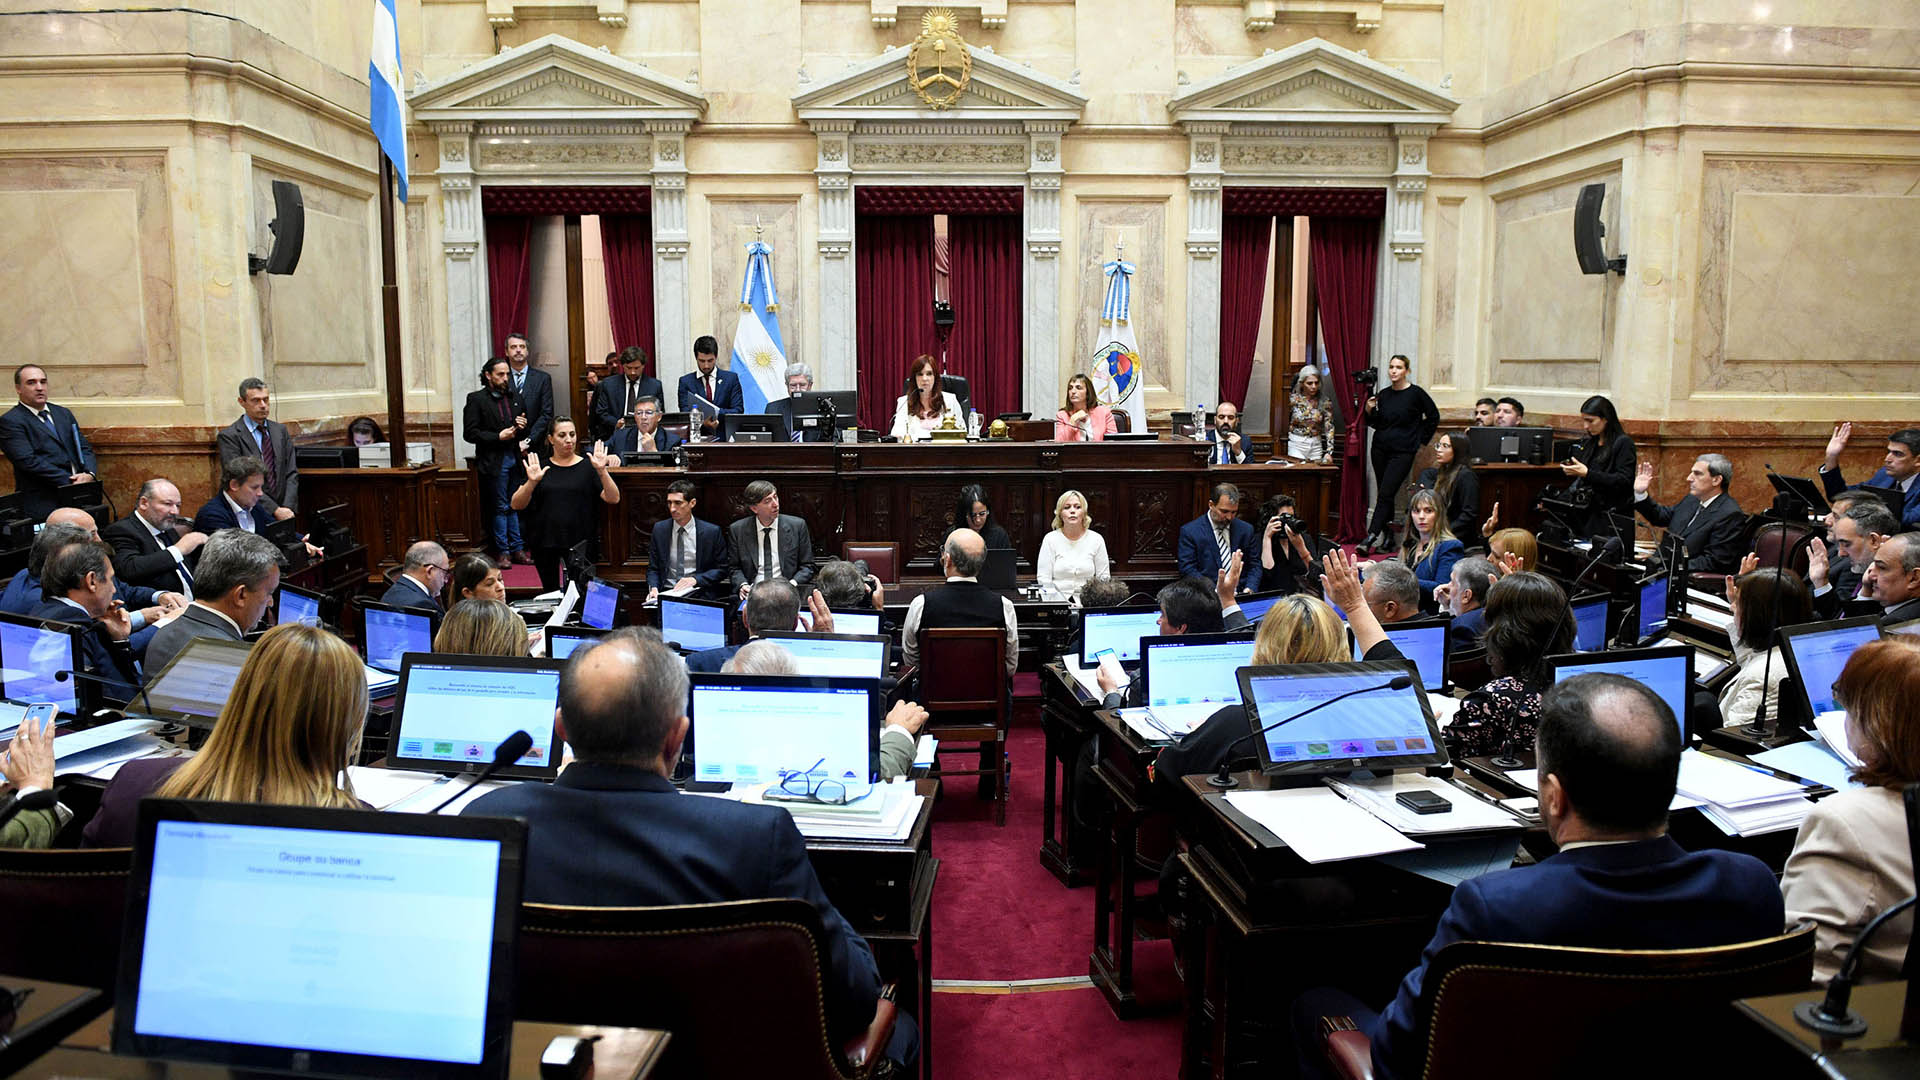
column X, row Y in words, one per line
column 758, row 356
column 383, row 76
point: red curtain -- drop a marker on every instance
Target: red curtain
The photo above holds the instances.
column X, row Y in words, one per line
column 1244, row 240
column 986, row 277
column 893, row 291
column 509, row 276
column 1344, row 253
column 627, row 242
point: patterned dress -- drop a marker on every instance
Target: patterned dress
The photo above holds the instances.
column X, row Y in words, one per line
column 1501, row 715
column 1310, row 432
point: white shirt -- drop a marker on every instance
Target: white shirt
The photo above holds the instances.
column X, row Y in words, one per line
column 682, row 534
column 242, row 514
column 1065, row 566
column 167, row 546
column 224, row 617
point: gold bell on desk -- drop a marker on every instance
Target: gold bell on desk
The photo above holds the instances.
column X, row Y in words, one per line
column 949, row 430
column 997, row 430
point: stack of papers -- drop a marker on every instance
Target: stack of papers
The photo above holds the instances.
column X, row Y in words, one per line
column 379, row 682
column 1831, row 729
column 1530, row 779
column 1088, row 678
column 1742, row 800
column 886, row 812
column 924, row 749
column 99, row 752
column 1319, row 825
column 1152, row 728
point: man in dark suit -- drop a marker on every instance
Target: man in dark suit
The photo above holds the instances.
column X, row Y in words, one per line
column 45, row 444
column 146, row 608
column 79, row 588
column 149, row 547
column 1228, row 446
column 495, row 421
column 238, row 574
column 1841, row 576
column 644, row 432
column 1901, row 469
column 1894, row 577
column 799, row 381
column 1466, row 599
column 535, row 390
column 1706, row 518
column 686, row 552
column 1609, row 755
column 619, row 392
column 424, row 572
column 773, row 607
column 721, row 388
column 1209, row 541
column 767, row 543
column 613, row 831
column 237, row 506
column 255, row 435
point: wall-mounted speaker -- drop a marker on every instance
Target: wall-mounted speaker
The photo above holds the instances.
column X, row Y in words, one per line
column 942, row 313
column 289, row 226
column 1589, row 231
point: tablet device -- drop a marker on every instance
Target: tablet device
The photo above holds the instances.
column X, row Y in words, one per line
column 1423, row 641
column 1256, row 605
column 1376, row 728
column 452, row 712
column 1189, row 677
column 852, row 656
column 600, row 605
column 1590, row 623
column 264, row 938
column 392, row 632
column 194, row 686
column 691, row 625
column 32, row 652
column 760, row 729
column 563, row 640
column 297, row 605
column 1817, row 652
column 1116, row 629
column 1666, row 670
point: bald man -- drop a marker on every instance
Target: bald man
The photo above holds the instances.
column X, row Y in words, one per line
column 962, row 601
column 148, row 608
column 154, row 546
column 423, row 574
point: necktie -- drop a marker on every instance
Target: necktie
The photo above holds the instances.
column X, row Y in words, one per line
column 708, row 382
column 1226, row 546
column 186, row 578
column 767, row 566
column 627, row 409
column 266, row 452
column 520, row 381
column 679, row 552
column 46, row 415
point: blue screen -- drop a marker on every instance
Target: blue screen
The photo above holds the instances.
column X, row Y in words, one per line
column 1821, row 656
column 1426, row 646
column 1385, row 723
column 692, row 627
column 28, row 658
column 1667, row 676
column 1119, row 631
column 1653, row 607
column 295, row 608
column 1255, row 610
column 597, row 611
column 564, row 644
column 391, row 633
column 1590, row 625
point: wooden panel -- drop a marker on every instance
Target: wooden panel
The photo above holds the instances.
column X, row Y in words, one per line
column 457, row 506
column 390, row 508
column 1516, row 488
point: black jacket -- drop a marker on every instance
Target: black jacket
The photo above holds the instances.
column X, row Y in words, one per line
column 1714, row 536
column 483, row 424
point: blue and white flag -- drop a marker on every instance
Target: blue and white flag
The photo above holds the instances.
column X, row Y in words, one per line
column 383, row 76
column 758, row 356
column 1119, row 382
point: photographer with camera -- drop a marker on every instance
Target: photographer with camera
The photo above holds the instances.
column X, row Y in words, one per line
column 1287, row 557
column 1403, row 418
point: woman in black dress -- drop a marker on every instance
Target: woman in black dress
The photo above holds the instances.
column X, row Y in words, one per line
column 970, row 512
column 1403, row 418
column 557, row 501
column 1603, row 464
column 1452, row 481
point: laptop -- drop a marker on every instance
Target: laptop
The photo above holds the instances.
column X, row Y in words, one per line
column 761, row 729
column 1377, row 729
column 1590, row 623
column 296, row 605
column 600, row 605
column 1425, row 642
column 1189, row 677
column 1817, row 652
column 563, row 640
column 1666, row 670
column 850, row 622
column 1909, row 626
column 194, row 686
column 1002, row 569
column 320, row 941
column 852, row 656
column 453, row 712
column 1116, row 630
column 392, row 632
column 691, row 625
column 31, row 653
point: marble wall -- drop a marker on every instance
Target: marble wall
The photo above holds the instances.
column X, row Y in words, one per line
column 1550, row 321
column 735, row 223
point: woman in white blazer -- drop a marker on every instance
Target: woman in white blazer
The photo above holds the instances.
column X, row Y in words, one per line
column 916, row 415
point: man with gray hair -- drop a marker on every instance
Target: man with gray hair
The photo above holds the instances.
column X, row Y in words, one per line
column 1706, row 519
column 1894, row 577
column 256, row 435
column 799, row 381
column 962, row 601
column 1858, row 532
column 155, row 546
column 423, row 573
column 238, row 573
column 613, row 831
column 1392, row 592
column 1466, row 599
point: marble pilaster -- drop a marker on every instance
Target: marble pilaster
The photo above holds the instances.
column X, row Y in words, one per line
column 462, row 239
column 672, row 315
column 833, row 172
column 1204, row 175
column 1040, row 385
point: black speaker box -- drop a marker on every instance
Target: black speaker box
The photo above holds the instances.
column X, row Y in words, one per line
column 1588, row 231
column 289, row 227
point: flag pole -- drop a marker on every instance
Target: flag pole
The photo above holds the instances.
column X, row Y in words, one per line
column 390, row 302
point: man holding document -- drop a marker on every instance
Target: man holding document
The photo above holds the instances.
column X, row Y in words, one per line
column 708, row 390
column 688, row 556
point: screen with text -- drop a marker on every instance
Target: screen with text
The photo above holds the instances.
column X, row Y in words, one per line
column 1380, row 723
column 1590, row 625
column 461, row 713
column 832, row 655
column 1119, row 631
column 29, row 656
column 755, row 734
column 391, row 634
column 598, row 608
column 1196, row 674
column 1821, row 656
column 851, row 622
column 692, row 627
column 198, row 682
column 1653, row 607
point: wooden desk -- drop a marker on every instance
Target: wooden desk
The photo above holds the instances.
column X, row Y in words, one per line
column 1890, row 1048
column 1122, row 760
column 1067, row 720
column 391, row 508
column 1516, row 488
column 1315, row 489
column 51, row 1013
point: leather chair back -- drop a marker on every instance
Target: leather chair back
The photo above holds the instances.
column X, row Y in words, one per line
column 64, row 910
column 1122, row 421
column 1469, row 669
column 882, row 556
column 1768, row 540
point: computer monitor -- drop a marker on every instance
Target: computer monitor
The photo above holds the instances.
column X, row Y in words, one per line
column 1001, row 570
column 1533, row 445
column 1650, row 618
column 1425, row 642
column 852, row 656
column 31, row 651
column 601, row 604
column 1256, row 605
column 1816, row 653
column 771, row 426
column 1667, row 671
column 1117, row 630
column 809, row 412
column 652, row 459
column 1378, row 728
column 452, row 712
column 1191, row 669
column 757, row 729
column 692, row 625
column 194, row 686
column 853, row 622
column 320, row 941
column 392, row 632
column 563, row 640
column 297, row 605
column 1590, row 623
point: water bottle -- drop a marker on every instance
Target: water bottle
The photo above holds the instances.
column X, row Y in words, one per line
column 973, row 424
column 1200, row 420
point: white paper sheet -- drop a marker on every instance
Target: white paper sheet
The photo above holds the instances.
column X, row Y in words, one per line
column 1832, row 729
column 564, row 610
column 1445, row 708
column 382, row 788
column 924, row 748
column 102, row 762
column 429, row 797
column 1319, row 825
column 1812, row 760
column 1726, row 783
column 1088, row 678
column 65, row 746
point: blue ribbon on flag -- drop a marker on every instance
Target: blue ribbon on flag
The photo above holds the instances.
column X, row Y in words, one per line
column 758, row 270
column 1119, row 291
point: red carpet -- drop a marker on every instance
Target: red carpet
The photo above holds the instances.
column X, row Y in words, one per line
column 521, row 576
column 1061, row 1035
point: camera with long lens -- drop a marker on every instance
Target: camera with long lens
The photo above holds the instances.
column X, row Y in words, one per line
column 1290, row 523
column 1367, row 377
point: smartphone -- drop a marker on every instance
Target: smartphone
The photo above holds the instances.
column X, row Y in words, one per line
column 44, row 711
column 1102, row 656
column 1424, row 802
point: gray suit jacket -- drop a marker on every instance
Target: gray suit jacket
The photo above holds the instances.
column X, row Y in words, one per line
column 795, row 549
column 283, row 487
column 195, row 622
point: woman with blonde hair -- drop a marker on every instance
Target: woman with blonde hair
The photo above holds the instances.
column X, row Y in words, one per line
column 290, row 728
column 482, row 628
column 1083, row 418
column 917, row 414
column 1310, row 423
column 1429, row 548
column 1072, row 554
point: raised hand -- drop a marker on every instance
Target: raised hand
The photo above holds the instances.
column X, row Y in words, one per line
column 1817, row 565
column 1643, row 478
column 1342, row 581
column 1228, row 582
column 1511, row 561
column 599, row 457
column 1492, row 524
column 534, row 469
column 1838, row 444
column 822, row 618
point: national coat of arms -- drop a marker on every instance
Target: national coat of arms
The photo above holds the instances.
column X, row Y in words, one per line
column 938, row 63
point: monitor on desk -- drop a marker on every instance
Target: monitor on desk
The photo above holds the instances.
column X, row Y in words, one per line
column 852, row 656
column 1193, row 669
column 563, row 640
column 1590, row 623
column 809, row 409
column 1650, row 612
column 691, row 625
column 1256, row 605
column 771, row 427
column 297, row 605
column 1379, row 728
column 1666, row 670
column 758, row 729
column 1117, row 630
column 1001, row 570
column 1816, row 653
column 602, row 602
column 851, row 622
column 392, row 632
column 320, row 941
column 1425, row 642
column 194, row 686
column 31, row 651
column 452, row 712
column 1532, row 445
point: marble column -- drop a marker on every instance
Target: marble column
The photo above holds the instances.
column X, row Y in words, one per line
column 1040, row 288
column 462, row 240
column 1406, row 239
column 837, row 356
column 672, row 302
column 1204, row 174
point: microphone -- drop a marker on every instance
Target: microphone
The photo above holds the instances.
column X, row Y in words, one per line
column 43, row 799
column 1832, row 1017
column 1224, row 778
column 509, row 751
column 1611, row 544
column 111, row 684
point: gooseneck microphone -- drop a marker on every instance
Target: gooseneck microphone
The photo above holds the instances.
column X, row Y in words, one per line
column 111, row 684
column 1832, row 1016
column 43, row 799
column 1224, row 778
column 510, row 750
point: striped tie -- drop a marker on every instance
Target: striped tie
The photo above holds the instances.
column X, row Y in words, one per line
column 1226, row 545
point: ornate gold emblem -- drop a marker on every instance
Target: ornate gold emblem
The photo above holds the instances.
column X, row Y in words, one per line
column 938, row 63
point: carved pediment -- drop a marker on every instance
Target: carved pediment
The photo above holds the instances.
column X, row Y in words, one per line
column 1314, row 81
column 997, row 89
column 557, row 78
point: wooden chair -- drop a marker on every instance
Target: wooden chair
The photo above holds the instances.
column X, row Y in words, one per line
column 882, row 556
column 64, row 909
column 739, row 984
column 965, row 689
column 1488, row 1009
